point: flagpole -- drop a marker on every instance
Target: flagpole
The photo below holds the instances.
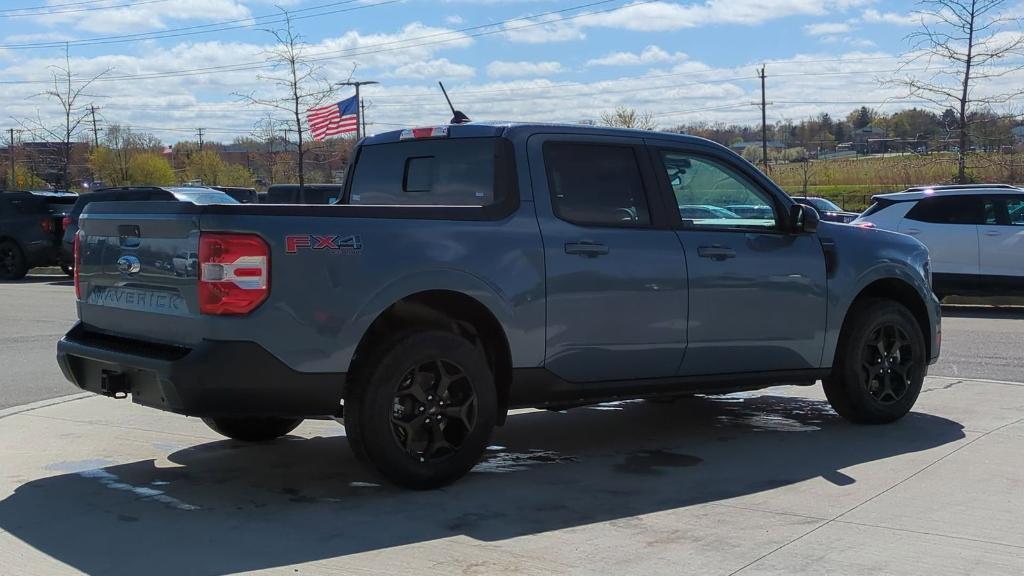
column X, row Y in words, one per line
column 360, row 122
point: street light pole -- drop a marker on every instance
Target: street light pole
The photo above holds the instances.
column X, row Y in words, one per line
column 360, row 120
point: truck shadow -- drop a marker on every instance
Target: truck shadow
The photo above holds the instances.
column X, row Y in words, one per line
column 224, row 507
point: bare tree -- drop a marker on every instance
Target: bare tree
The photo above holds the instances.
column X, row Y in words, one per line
column 68, row 90
column 972, row 41
column 806, row 173
column 300, row 83
column 629, row 118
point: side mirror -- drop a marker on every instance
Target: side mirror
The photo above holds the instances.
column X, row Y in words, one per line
column 803, row 219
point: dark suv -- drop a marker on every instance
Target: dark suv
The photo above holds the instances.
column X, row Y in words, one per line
column 306, row 194
column 196, row 195
column 30, row 228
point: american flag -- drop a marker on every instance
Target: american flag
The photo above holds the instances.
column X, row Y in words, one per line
column 338, row 118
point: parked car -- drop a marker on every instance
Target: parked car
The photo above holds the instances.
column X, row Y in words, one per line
column 756, row 212
column 309, row 194
column 30, row 230
column 196, row 194
column 705, row 212
column 243, row 195
column 827, row 209
column 473, row 269
column 975, row 234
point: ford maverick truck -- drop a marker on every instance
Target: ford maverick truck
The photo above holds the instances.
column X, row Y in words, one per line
column 472, row 269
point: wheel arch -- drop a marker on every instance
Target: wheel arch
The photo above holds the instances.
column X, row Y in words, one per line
column 900, row 291
column 449, row 310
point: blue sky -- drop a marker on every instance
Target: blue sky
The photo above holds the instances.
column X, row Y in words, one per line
column 547, row 60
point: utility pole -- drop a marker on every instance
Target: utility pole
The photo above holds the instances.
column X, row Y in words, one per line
column 95, row 131
column 10, row 151
column 764, row 122
column 362, row 115
column 360, row 121
column 199, row 132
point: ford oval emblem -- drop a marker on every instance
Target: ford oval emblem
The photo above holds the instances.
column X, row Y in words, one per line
column 128, row 264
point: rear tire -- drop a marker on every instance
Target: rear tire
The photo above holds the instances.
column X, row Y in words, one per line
column 252, row 429
column 68, row 270
column 422, row 408
column 13, row 265
column 880, row 365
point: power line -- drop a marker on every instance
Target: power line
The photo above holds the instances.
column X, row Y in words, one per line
column 219, row 26
column 250, row 23
column 352, row 52
column 45, row 11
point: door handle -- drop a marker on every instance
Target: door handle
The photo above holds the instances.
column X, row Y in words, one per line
column 993, row 233
column 716, row 252
column 912, row 231
column 588, row 249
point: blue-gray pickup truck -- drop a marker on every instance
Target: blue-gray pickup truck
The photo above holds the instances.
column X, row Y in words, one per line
column 471, row 269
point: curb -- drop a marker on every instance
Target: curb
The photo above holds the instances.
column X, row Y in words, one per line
column 43, row 404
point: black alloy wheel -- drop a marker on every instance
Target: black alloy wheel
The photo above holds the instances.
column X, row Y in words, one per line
column 880, row 363
column 434, row 410
column 12, row 261
column 888, row 363
column 420, row 408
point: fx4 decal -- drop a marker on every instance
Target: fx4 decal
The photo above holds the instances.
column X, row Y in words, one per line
column 334, row 243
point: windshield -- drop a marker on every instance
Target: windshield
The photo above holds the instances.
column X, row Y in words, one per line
column 822, row 204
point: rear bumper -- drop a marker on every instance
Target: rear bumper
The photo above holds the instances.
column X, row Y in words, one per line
column 215, row 378
column 42, row 253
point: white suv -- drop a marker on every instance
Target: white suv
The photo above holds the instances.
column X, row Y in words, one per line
column 975, row 234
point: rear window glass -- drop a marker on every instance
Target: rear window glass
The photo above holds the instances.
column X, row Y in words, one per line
column 459, row 172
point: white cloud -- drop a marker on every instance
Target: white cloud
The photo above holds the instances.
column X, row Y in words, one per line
column 439, row 69
column 454, row 20
column 145, row 16
column 827, row 28
column 666, row 16
column 500, row 69
column 650, row 55
column 543, row 30
column 875, row 17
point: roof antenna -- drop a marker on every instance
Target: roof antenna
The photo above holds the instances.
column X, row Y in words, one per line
column 457, row 116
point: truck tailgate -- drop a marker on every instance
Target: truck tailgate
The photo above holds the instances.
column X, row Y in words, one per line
column 138, row 270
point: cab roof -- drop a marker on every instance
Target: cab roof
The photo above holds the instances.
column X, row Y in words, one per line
column 512, row 130
column 921, row 192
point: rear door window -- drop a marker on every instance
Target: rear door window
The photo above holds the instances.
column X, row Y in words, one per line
column 596, row 184
column 962, row 209
column 457, row 172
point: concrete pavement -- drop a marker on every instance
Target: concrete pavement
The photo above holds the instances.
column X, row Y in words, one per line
column 771, row 482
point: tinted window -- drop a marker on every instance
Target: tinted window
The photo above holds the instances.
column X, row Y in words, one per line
column 731, row 201
column 459, row 172
column 823, row 205
column 1015, row 208
column 596, row 184
column 949, row 210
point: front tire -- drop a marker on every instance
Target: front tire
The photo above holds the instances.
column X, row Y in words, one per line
column 252, row 429
column 422, row 408
column 880, row 364
column 13, row 265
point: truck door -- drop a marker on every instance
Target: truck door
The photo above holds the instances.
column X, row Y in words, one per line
column 616, row 280
column 757, row 291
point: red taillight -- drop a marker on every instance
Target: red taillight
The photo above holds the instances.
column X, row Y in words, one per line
column 48, row 225
column 867, row 225
column 234, row 273
column 77, row 262
column 65, row 222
